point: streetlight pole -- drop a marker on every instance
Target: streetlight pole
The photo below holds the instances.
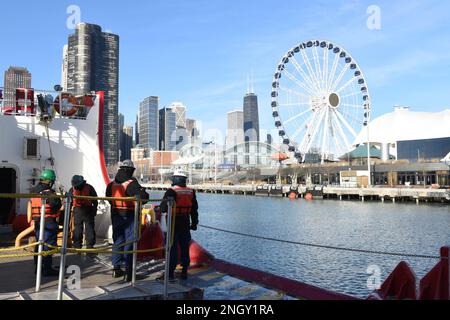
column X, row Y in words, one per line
column 215, row 162
column 369, row 182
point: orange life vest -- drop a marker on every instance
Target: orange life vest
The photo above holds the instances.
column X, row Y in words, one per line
column 184, row 199
column 36, row 204
column 118, row 191
column 82, row 192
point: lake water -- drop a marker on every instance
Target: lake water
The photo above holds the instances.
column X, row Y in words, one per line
column 405, row 228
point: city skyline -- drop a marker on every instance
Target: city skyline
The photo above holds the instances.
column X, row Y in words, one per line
column 398, row 70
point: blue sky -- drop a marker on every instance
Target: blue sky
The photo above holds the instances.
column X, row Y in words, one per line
column 201, row 52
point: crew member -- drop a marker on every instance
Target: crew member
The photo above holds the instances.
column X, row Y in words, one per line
column 52, row 213
column 84, row 212
column 186, row 219
column 122, row 216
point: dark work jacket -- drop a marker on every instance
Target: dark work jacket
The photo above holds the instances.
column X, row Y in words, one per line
column 55, row 204
column 133, row 189
column 182, row 222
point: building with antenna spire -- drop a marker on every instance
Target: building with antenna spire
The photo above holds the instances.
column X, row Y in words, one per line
column 251, row 115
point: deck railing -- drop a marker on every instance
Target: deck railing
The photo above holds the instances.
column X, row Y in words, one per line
column 63, row 250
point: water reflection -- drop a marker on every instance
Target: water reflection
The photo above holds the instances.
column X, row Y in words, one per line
column 372, row 225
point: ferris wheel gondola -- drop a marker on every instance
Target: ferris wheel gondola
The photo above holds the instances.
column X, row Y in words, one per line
column 320, row 100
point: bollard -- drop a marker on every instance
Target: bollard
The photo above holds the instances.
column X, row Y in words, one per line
column 137, row 210
column 62, row 264
column 41, row 246
column 168, row 245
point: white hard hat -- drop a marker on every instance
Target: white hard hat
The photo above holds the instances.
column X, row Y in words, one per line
column 180, row 173
column 127, row 164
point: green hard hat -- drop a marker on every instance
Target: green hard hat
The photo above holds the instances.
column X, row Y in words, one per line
column 48, row 175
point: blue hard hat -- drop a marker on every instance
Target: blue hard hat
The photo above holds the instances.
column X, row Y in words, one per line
column 77, row 181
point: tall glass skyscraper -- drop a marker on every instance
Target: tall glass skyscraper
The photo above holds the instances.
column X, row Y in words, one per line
column 251, row 117
column 93, row 65
column 167, row 130
column 149, row 123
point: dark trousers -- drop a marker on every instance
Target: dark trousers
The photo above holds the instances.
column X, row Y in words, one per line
column 84, row 220
column 182, row 239
column 50, row 237
column 123, row 231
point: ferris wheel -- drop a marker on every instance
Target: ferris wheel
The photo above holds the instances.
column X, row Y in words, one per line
column 320, row 100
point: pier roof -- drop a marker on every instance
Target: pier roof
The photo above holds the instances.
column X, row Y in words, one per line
column 406, row 125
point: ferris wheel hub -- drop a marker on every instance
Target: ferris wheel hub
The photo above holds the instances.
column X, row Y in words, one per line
column 334, row 100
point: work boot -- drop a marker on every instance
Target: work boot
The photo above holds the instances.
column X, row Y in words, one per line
column 184, row 274
column 128, row 277
column 163, row 276
column 50, row 272
column 117, row 272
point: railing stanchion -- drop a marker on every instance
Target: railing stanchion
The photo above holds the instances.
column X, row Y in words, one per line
column 168, row 245
column 448, row 268
column 41, row 246
column 62, row 265
column 137, row 210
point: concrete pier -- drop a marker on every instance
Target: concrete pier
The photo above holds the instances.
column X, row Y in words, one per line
column 395, row 194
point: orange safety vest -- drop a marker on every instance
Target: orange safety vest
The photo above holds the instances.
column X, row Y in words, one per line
column 118, row 191
column 36, row 204
column 82, row 202
column 184, row 199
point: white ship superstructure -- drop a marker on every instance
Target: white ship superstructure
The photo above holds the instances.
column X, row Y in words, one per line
column 71, row 145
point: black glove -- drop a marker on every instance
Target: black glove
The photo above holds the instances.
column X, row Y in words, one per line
column 194, row 227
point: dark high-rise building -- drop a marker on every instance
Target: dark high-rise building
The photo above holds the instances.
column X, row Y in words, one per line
column 93, row 65
column 269, row 139
column 136, row 131
column 251, row 117
column 149, row 123
column 167, row 130
column 126, row 142
column 15, row 77
column 120, row 135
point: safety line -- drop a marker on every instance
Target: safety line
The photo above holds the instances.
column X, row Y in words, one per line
column 19, row 248
column 325, row 246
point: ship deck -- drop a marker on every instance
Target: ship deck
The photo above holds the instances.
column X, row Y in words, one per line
column 17, row 280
